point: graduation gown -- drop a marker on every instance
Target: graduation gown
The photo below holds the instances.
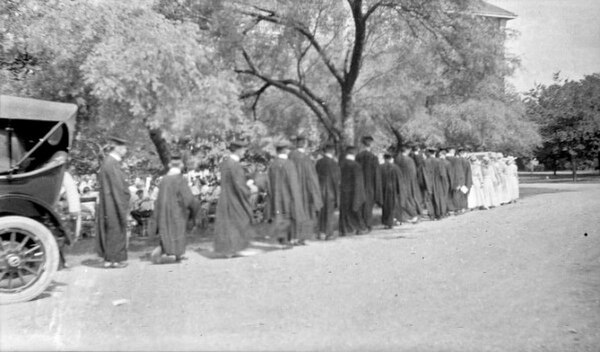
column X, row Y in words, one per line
column 457, row 179
column 427, row 181
column 410, row 205
column 391, row 177
column 352, row 197
column 372, row 178
column 310, row 191
column 468, row 182
column 111, row 215
column 440, row 188
column 328, row 172
column 172, row 209
column 285, row 209
column 233, row 230
column 420, row 165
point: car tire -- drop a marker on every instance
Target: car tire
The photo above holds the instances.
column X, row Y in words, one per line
column 28, row 250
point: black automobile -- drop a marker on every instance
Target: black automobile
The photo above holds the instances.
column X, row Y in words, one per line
column 35, row 137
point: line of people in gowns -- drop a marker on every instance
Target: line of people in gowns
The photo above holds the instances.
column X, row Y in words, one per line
column 495, row 181
column 302, row 195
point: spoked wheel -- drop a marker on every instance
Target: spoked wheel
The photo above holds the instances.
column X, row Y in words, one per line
column 29, row 258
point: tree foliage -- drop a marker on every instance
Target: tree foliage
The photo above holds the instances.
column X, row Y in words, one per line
column 150, row 69
column 568, row 113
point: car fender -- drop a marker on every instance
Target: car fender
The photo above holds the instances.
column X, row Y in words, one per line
column 25, row 205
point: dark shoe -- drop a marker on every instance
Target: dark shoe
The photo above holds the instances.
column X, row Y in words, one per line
column 330, row 237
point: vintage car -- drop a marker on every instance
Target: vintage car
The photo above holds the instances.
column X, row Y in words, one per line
column 35, row 137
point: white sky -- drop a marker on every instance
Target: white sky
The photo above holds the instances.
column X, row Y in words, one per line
column 555, row 35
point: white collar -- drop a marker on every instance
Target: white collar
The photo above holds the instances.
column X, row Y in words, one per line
column 116, row 156
column 329, row 155
column 174, row 171
column 234, row 157
column 282, row 156
column 301, row 150
column 350, row 157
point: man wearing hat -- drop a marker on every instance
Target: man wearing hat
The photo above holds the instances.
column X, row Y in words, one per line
column 233, row 230
column 284, row 208
column 440, row 185
column 390, row 184
column 310, row 191
column 369, row 163
column 113, row 207
column 429, row 161
column 328, row 170
column 410, row 206
column 352, row 194
column 174, row 205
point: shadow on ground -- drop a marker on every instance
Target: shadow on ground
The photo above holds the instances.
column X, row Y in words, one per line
column 54, row 287
column 526, row 192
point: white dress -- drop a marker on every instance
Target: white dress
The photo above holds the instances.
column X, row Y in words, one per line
column 490, row 197
column 475, row 199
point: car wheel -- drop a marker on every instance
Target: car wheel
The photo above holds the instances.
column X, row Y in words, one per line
column 29, row 259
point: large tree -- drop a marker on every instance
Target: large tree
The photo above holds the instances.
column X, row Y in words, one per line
column 568, row 113
column 319, row 50
column 124, row 63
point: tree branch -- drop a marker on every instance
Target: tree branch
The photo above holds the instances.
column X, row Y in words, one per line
column 298, row 90
column 273, row 17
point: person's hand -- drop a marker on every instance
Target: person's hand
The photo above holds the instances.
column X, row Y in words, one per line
column 253, row 188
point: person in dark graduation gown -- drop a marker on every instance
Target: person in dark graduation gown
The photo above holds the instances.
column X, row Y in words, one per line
column 310, row 192
column 233, row 230
column 173, row 207
column 440, row 185
column 328, row 171
column 391, row 177
column 113, row 207
column 372, row 178
column 409, row 208
column 427, row 180
column 284, row 209
column 418, row 156
column 352, row 194
column 457, row 179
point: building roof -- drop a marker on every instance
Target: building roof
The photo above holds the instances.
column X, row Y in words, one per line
column 488, row 10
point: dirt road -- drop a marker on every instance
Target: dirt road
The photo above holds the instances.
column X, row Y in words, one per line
column 522, row 277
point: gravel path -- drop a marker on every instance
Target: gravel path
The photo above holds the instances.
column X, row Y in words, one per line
column 522, row 277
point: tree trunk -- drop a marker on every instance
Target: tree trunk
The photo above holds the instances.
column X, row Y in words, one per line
column 162, row 146
column 347, row 124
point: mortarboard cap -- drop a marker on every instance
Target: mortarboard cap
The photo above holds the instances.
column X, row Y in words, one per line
column 117, row 140
column 234, row 145
column 350, row 149
column 283, row 144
